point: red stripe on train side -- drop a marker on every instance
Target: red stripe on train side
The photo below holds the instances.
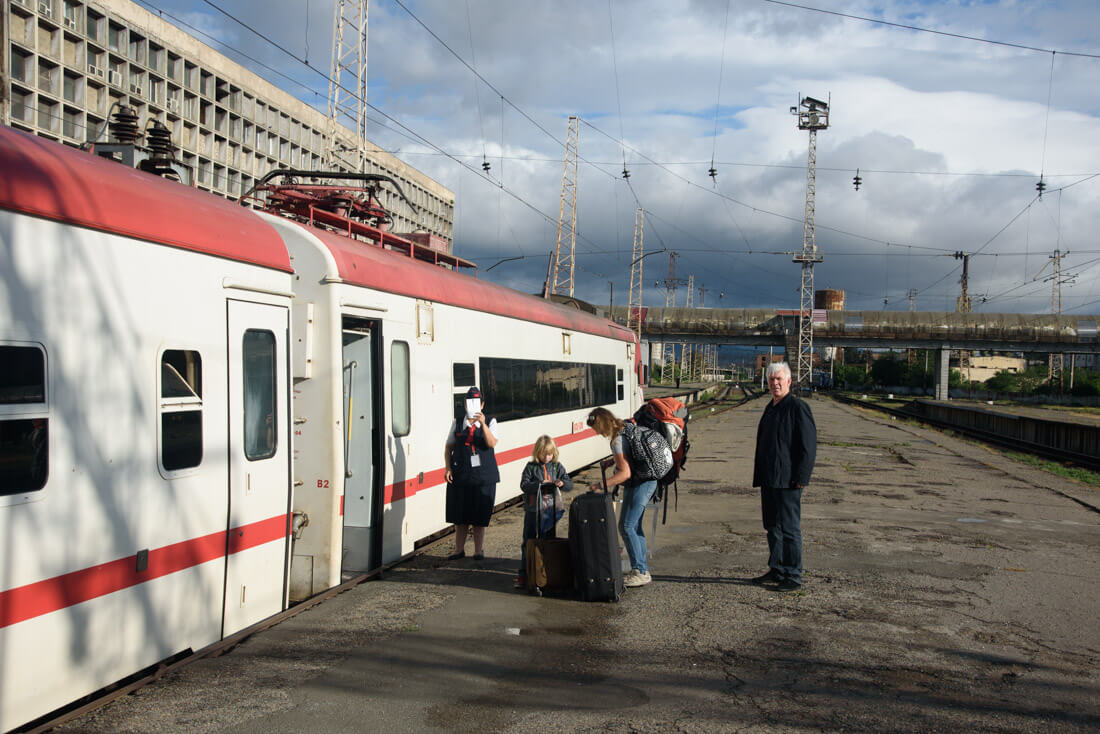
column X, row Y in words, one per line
column 50, row 595
column 404, row 489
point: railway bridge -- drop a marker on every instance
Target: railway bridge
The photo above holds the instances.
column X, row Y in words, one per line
column 941, row 331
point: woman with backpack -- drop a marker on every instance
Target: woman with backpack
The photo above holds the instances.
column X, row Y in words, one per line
column 636, row 492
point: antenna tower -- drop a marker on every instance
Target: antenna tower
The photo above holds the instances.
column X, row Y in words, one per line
column 634, row 303
column 347, row 87
column 564, row 266
column 813, row 115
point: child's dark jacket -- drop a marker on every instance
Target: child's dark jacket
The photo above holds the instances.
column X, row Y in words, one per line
column 535, row 473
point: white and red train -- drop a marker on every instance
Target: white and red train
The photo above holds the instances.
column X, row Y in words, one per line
column 209, row 412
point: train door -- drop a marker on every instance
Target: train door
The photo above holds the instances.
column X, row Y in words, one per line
column 362, row 547
column 259, row 467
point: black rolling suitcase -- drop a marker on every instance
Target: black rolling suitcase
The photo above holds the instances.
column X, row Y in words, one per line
column 594, row 547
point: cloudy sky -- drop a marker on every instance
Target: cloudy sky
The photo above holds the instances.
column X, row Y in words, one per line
column 950, row 135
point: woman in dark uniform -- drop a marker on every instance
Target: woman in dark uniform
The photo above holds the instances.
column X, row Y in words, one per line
column 471, row 475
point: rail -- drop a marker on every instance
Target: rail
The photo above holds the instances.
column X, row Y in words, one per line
column 1048, row 452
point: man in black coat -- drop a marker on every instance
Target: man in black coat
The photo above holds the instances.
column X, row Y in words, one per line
column 786, row 445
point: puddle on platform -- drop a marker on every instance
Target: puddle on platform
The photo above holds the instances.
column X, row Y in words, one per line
column 970, row 519
column 544, row 631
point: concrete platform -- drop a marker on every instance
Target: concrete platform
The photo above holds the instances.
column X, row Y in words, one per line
column 947, row 589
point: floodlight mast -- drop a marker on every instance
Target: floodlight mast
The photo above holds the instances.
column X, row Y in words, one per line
column 813, row 115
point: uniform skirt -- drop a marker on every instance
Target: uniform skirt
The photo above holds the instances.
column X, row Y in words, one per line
column 471, row 504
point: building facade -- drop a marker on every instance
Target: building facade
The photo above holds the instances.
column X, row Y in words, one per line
column 67, row 64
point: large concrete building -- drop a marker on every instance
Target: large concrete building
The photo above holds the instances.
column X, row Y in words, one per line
column 67, row 63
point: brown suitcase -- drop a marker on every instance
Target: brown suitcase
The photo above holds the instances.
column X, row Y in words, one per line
column 548, row 566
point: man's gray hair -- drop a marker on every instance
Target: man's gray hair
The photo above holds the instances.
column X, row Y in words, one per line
column 776, row 367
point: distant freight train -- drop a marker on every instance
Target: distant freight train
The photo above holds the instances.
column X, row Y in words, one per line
column 207, row 412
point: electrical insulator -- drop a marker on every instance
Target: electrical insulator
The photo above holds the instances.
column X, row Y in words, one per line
column 713, row 173
column 857, row 180
column 1041, row 187
column 626, row 173
column 485, row 166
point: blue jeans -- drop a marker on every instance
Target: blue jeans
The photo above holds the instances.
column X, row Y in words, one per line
column 630, row 522
column 781, row 510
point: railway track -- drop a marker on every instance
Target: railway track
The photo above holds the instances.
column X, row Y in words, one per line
column 1069, row 457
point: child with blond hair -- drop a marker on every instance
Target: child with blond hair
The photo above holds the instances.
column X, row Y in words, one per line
column 544, row 470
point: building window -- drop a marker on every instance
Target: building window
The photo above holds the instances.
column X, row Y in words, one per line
column 22, row 105
column 180, row 409
column 116, row 36
column 22, row 66
column 24, row 420
column 399, row 388
column 259, row 393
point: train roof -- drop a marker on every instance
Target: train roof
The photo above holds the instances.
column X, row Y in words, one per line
column 46, row 179
column 370, row 266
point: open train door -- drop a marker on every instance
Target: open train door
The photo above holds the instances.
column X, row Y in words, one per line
column 259, row 467
column 362, row 544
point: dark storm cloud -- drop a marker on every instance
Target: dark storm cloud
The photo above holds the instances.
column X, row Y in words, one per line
column 911, row 110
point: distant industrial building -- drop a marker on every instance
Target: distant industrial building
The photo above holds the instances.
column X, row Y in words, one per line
column 68, row 64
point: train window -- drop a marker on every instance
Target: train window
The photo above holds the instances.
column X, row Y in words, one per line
column 619, row 375
column 22, row 375
column 621, row 393
column 464, row 375
column 180, row 409
column 522, row 388
column 399, row 388
column 260, row 427
column 24, row 423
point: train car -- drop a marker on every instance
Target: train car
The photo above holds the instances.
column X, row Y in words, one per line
column 387, row 346
column 207, row 412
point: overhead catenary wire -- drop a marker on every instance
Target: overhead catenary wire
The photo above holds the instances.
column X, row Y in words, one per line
column 421, row 140
column 879, row 21
column 718, row 100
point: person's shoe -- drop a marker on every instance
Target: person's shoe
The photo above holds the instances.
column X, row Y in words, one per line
column 479, row 556
column 637, row 578
column 521, row 582
column 456, row 555
column 788, row 585
column 769, row 578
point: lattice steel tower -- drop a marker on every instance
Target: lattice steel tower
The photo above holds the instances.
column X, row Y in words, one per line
column 687, row 351
column 668, row 349
column 634, row 303
column 561, row 277
column 813, row 115
column 347, row 87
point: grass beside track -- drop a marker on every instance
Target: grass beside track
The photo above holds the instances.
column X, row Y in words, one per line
column 1077, row 474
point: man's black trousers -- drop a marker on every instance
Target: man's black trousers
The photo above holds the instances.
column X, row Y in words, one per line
column 781, row 510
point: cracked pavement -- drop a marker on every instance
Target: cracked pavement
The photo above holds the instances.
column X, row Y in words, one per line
column 948, row 588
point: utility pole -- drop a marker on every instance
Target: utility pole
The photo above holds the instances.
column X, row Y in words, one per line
column 564, row 265
column 911, row 354
column 347, row 87
column 668, row 349
column 963, row 304
column 813, row 115
column 634, row 299
column 1056, row 361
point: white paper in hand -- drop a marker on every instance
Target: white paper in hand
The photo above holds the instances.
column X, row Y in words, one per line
column 473, row 407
